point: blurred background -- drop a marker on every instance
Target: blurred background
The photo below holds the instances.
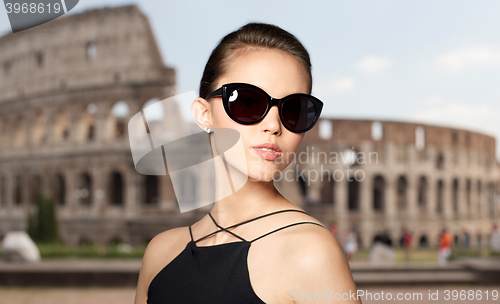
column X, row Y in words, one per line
column 412, row 104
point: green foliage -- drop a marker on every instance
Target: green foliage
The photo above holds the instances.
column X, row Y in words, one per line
column 88, row 251
column 42, row 223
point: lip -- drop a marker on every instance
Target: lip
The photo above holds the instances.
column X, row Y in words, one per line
column 268, row 155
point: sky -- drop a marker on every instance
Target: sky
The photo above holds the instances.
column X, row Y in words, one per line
column 434, row 62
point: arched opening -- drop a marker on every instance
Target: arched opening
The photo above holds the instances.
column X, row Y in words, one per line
column 439, row 198
column 87, row 123
column 61, row 126
column 468, row 195
column 3, row 191
column 59, row 190
column 440, row 161
column 302, row 184
column 151, row 190
column 328, row 190
column 422, row 193
column 35, row 188
column 38, row 130
column 378, row 193
column 419, row 138
column 18, row 190
column 115, row 241
column 91, row 51
column 422, row 242
column 491, row 199
column 402, row 190
column 325, row 129
column 116, row 188
column 5, row 140
column 85, row 189
column 353, row 192
column 20, row 133
column 118, row 120
column 479, row 197
column 377, row 130
column 455, row 195
column 85, row 241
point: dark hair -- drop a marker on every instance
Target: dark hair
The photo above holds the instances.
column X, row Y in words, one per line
column 248, row 36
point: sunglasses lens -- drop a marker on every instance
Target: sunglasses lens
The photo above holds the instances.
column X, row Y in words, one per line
column 298, row 113
column 246, row 105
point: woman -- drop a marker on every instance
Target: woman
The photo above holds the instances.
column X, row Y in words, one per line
column 254, row 246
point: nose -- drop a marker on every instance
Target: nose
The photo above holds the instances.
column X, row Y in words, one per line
column 271, row 123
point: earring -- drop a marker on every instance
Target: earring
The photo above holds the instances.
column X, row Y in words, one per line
column 208, row 130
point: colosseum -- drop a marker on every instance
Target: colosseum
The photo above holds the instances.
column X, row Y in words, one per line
column 68, row 89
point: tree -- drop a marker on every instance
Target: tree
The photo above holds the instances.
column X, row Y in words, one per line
column 42, row 224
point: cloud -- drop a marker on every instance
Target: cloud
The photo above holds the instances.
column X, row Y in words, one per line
column 343, row 84
column 371, row 65
column 466, row 58
column 334, row 85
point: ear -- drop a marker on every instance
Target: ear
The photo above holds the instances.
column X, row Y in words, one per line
column 202, row 112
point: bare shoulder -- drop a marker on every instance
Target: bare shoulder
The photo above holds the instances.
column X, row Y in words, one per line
column 161, row 250
column 315, row 262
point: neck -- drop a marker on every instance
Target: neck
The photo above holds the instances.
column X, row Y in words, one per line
column 253, row 199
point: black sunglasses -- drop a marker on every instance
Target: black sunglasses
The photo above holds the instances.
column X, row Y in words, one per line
column 248, row 104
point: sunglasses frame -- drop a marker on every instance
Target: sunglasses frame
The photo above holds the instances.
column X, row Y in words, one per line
column 222, row 91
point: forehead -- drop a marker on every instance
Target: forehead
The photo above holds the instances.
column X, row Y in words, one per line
column 275, row 71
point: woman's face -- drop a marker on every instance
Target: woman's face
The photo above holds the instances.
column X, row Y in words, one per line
column 279, row 74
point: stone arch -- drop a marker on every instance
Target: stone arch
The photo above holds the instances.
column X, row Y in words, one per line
column 61, row 125
column 85, row 189
column 353, row 188
column 402, row 190
column 328, row 189
column 378, row 193
column 116, row 121
column 151, row 190
column 39, row 135
column 440, row 197
column 87, row 123
column 59, row 189
column 20, row 132
column 116, row 188
column 422, row 192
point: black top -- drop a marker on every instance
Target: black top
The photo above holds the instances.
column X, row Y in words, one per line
column 209, row 274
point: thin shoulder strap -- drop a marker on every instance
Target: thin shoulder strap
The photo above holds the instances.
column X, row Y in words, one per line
column 284, row 228
column 248, row 221
column 191, row 233
column 225, row 229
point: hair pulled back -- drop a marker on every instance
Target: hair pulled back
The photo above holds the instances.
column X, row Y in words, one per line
column 250, row 35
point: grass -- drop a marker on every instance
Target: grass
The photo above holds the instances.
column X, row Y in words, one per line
column 431, row 255
column 88, row 251
column 115, row 251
